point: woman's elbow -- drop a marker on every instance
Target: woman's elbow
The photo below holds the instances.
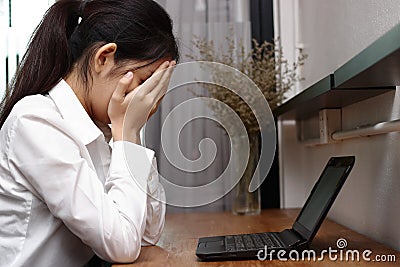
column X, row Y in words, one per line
column 124, row 255
column 123, row 252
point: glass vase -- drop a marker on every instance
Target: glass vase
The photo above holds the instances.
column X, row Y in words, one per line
column 245, row 202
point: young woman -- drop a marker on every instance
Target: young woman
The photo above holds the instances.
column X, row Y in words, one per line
column 65, row 195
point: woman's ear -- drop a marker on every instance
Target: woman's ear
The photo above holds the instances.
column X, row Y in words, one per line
column 104, row 57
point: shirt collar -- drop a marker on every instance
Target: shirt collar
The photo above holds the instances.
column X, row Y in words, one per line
column 73, row 112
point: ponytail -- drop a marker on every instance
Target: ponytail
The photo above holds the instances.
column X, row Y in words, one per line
column 72, row 30
column 48, row 57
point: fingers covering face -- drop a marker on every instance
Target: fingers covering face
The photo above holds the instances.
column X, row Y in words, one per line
column 122, row 87
column 165, row 80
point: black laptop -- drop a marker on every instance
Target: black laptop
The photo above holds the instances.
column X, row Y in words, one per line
column 303, row 231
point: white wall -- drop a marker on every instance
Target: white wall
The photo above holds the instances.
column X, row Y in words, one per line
column 333, row 31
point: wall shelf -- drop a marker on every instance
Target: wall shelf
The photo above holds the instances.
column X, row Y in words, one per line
column 374, row 71
column 323, row 95
column 376, row 66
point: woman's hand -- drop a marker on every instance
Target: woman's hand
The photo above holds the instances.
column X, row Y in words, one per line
column 129, row 111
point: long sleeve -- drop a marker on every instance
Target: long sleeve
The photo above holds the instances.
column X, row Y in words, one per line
column 111, row 219
column 155, row 208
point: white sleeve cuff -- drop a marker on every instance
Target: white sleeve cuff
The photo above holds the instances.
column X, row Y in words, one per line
column 154, row 181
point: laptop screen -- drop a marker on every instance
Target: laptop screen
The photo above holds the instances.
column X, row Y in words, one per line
column 324, row 190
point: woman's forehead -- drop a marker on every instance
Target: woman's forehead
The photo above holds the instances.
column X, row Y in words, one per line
column 146, row 66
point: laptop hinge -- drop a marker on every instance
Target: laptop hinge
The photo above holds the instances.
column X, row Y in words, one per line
column 290, row 237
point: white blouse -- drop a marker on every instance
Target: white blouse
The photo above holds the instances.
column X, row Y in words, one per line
column 64, row 195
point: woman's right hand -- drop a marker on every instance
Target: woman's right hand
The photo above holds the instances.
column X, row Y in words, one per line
column 130, row 110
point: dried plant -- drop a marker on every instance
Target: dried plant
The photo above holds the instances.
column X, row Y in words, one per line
column 264, row 65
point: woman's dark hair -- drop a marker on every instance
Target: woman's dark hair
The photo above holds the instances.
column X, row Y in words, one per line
column 71, row 31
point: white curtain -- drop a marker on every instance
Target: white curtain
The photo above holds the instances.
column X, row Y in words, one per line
column 3, row 45
column 16, row 28
column 211, row 19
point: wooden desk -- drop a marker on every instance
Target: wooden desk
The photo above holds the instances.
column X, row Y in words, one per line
column 179, row 240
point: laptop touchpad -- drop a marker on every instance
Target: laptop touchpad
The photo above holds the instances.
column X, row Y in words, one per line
column 215, row 244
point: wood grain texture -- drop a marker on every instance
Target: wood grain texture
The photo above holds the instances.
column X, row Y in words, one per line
column 178, row 244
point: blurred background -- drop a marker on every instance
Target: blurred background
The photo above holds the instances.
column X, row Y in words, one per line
column 329, row 33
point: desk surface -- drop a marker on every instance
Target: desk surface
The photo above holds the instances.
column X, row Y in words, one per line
column 179, row 240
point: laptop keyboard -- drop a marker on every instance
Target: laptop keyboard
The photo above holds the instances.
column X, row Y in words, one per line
column 251, row 242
